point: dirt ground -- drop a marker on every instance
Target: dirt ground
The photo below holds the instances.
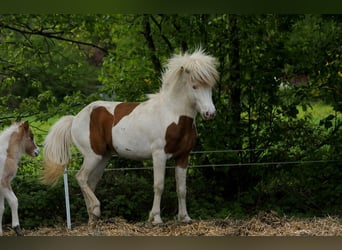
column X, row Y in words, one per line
column 264, row 224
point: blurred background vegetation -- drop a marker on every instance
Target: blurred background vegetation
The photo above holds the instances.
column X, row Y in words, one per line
column 274, row 145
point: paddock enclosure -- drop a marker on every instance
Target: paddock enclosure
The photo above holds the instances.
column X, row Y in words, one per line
column 263, row 224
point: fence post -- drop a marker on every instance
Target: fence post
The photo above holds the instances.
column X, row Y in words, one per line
column 67, row 201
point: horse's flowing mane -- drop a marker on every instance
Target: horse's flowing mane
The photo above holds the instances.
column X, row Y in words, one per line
column 199, row 65
column 5, row 137
column 6, row 133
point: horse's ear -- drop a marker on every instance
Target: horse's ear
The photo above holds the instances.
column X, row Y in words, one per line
column 25, row 125
column 182, row 69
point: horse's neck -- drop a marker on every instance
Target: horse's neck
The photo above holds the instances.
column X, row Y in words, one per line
column 13, row 149
column 14, row 152
column 10, row 152
column 178, row 103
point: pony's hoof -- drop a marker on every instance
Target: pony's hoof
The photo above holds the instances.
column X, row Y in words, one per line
column 155, row 219
column 18, row 231
column 157, row 222
column 93, row 221
column 184, row 219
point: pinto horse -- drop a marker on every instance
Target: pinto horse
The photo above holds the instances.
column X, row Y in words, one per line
column 159, row 128
column 15, row 140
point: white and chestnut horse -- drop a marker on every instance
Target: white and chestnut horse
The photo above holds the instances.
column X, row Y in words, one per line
column 159, row 128
column 15, row 140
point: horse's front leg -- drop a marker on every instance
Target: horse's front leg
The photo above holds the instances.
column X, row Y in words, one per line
column 159, row 161
column 13, row 203
column 181, row 193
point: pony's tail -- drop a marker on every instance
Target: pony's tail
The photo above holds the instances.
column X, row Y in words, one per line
column 57, row 150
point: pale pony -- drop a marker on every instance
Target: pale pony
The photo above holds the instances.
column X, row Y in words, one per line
column 159, row 128
column 14, row 141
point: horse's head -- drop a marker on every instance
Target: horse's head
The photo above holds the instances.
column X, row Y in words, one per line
column 194, row 75
column 201, row 96
column 201, row 75
column 27, row 136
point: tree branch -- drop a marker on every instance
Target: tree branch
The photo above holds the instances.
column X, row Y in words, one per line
column 150, row 43
column 166, row 40
column 51, row 35
column 183, row 44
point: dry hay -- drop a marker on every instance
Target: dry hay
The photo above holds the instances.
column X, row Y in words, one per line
column 264, row 224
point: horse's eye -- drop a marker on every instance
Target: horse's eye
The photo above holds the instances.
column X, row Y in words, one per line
column 194, row 87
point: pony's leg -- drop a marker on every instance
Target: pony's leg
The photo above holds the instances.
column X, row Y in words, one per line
column 13, row 203
column 97, row 173
column 90, row 162
column 2, row 209
column 181, row 193
column 159, row 161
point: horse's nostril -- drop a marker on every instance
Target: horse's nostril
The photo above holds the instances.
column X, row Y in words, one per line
column 36, row 152
column 209, row 115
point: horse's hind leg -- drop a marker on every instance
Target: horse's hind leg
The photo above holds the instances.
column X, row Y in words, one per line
column 97, row 173
column 87, row 178
column 13, row 203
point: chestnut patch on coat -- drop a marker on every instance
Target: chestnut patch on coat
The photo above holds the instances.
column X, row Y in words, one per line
column 180, row 139
column 123, row 109
column 101, row 123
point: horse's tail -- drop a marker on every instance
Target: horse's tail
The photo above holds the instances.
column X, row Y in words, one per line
column 57, row 150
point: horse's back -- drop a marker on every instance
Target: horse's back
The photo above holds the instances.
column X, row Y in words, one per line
column 93, row 128
column 130, row 129
column 137, row 130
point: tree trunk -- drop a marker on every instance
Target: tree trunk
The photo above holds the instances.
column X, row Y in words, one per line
column 235, row 89
column 150, row 43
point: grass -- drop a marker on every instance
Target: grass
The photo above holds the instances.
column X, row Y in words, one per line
column 317, row 112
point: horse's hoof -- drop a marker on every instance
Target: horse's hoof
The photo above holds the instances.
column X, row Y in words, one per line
column 18, row 231
column 155, row 219
column 184, row 219
column 157, row 222
column 93, row 221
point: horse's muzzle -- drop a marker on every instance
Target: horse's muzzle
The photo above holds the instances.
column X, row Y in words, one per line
column 35, row 152
column 208, row 115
